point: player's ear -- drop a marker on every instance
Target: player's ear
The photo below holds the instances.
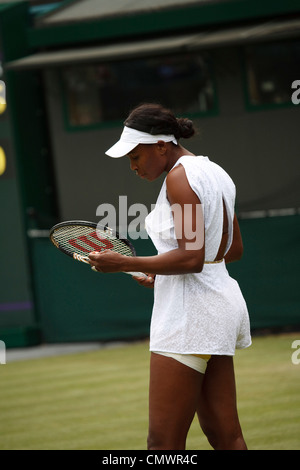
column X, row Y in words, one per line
column 161, row 147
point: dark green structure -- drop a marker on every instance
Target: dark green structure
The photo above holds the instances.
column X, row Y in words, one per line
column 18, row 323
column 250, row 53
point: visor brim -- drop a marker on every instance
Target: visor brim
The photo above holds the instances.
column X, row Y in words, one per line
column 120, row 149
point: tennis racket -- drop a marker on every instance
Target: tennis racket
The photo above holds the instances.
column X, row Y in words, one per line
column 78, row 238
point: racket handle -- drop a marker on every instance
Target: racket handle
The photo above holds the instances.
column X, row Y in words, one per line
column 85, row 259
column 136, row 274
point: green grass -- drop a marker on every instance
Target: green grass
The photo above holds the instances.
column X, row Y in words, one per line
column 98, row 400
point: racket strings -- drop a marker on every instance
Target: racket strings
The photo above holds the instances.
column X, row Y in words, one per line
column 83, row 240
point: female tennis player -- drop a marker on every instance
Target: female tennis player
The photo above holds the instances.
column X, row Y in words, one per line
column 199, row 315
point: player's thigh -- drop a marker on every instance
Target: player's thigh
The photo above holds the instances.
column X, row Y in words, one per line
column 217, row 408
column 175, row 390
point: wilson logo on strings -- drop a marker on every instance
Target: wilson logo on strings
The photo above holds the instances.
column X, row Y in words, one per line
column 75, row 242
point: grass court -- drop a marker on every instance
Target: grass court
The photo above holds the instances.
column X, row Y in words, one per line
column 99, row 399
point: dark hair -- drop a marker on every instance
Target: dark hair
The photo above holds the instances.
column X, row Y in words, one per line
column 155, row 119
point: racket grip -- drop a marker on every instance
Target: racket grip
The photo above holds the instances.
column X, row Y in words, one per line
column 136, row 274
column 83, row 259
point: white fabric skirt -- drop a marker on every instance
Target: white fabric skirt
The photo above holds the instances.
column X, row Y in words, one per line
column 201, row 313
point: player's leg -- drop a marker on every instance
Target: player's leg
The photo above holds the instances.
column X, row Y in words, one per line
column 217, row 410
column 173, row 396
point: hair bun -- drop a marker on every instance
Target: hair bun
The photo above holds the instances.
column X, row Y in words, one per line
column 185, row 128
column 154, row 119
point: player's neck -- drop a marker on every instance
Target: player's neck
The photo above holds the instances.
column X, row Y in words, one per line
column 177, row 153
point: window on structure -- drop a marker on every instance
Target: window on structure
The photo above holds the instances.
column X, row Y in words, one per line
column 271, row 70
column 106, row 92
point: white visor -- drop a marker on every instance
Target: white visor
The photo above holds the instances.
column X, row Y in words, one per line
column 130, row 138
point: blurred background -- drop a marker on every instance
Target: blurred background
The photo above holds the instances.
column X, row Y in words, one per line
column 70, row 71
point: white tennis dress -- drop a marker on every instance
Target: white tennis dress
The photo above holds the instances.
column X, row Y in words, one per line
column 201, row 313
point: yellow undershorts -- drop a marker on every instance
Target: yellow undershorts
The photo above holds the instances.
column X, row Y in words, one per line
column 197, row 362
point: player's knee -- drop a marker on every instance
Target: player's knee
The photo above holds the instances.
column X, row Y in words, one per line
column 156, row 441
column 153, row 441
column 231, row 442
column 225, row 439
column 211, row 435
column 164, row 441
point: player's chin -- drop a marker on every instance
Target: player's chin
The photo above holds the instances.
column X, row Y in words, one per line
column 149, row 177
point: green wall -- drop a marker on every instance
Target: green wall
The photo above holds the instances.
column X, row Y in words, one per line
column 18, row 326
column 76, row 304
column 269, row 270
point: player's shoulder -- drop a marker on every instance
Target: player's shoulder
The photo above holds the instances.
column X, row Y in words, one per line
column 175, row 175
column 175, row 171
column 177, row 183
